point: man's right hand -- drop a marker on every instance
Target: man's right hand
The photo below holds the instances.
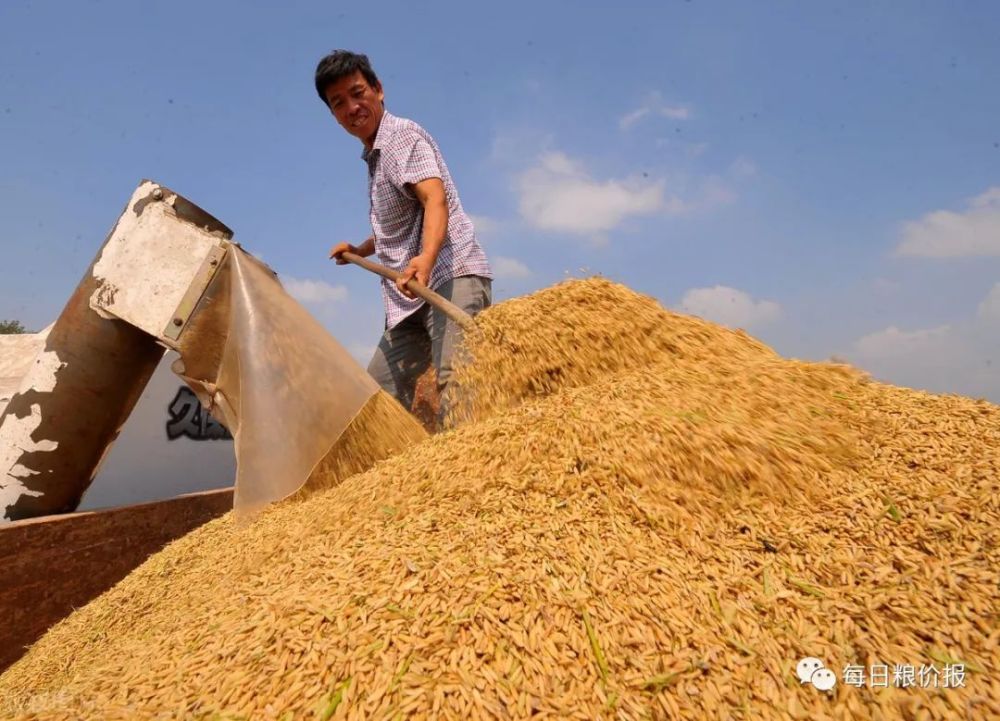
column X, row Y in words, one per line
column 364, row 250
column 340, row 248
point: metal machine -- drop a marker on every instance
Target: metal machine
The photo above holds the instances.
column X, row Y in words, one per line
column 169, row 276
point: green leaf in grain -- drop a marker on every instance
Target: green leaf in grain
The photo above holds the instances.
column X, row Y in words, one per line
column 403, row 668
column 807, row 588
column 892, row 511
column 595, row 646
column 692, row 416
column 740, row 646
column 474, row 609
column 943, row 657
column 714, row 601
column 658, row 683
column 392, row 608
column 612, row 701
column 847, row 401
column 333, row 700
column 768, row 590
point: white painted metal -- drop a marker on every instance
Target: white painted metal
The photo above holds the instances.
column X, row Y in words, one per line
column 17, row 353
column 144, row 464
column 149, row 262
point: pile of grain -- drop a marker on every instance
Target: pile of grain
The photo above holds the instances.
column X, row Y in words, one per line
column 577, row 333
column 646, row 516
column 381, row 429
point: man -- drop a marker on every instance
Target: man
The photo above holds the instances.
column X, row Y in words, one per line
column 418, row 228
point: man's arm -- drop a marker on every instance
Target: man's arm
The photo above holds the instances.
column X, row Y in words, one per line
column 430, row 193
column 364, row 250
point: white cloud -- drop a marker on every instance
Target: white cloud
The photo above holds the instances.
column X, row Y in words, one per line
column 689, row 149
column 715, row 191
column 511, row 146
column 885, row 286
column 483, row 224
column 989, row 308
column 695, row 149
column 729, row 306
column 942, row 359
column 557, row 194
column 960, row 357
column 743, row 167
column 654, row 105
column 313, row 291
column 509, row 268
column 950, row 234
column 895, row 342
column 630, row 119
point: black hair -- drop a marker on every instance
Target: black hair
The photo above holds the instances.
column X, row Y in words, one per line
column 339, row 64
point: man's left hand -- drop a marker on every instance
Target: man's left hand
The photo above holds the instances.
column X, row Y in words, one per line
column 419, row 268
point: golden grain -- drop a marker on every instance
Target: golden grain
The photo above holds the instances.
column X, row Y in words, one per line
column 714, row 511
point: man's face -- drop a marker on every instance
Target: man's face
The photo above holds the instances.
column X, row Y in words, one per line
column 356, row 105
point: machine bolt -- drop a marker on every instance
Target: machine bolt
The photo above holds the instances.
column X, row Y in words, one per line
column 158, row 194
column 178, row 322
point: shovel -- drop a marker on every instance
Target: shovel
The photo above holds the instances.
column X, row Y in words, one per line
column 418, row 289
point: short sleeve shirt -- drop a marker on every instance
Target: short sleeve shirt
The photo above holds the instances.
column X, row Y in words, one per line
column 404, row 154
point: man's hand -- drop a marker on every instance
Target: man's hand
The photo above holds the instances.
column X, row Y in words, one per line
column 339, row 249
column 364, row 250
column 420, row 268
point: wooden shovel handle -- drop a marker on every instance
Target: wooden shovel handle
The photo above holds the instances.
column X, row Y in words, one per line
column 419, row 289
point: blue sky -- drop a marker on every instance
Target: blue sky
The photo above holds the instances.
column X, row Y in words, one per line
column 825, row 175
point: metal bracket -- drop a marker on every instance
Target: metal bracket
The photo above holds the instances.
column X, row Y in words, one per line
column 209, row 267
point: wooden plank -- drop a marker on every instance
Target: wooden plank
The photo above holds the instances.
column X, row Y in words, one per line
column 53, row 564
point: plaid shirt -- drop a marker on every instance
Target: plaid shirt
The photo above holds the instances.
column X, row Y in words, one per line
column 403, row 154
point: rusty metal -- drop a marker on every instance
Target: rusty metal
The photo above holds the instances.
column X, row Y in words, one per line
column 104, row 365
column 196, row 290
column 56, row 564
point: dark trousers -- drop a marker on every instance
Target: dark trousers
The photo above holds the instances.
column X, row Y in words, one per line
column 427, row 336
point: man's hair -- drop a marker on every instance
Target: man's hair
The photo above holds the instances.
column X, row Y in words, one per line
column 339, row 64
